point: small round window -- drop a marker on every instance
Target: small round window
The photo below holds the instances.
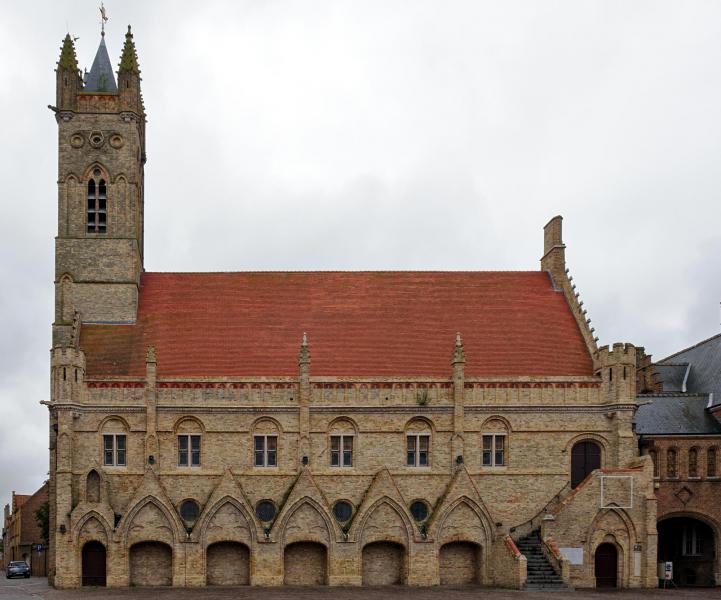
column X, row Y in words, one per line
column 342, row 511
column 189, row 511
column 265, row 510
column 419, row 510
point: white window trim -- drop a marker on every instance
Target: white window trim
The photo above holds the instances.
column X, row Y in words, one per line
column 493, row 437
column 341, row 463
column 190, row 464
column 265, row 437
column 115, row 449
column 417, row 450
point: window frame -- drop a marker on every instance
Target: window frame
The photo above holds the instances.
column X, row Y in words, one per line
column 265, row 452
column 416, row 451
column 341, row 451
column 115, row 450
column 96, row 215
column 493, row 451
column 671, row 465
column 712, row 460
column 693, row 470
column 189, row 451
column 690, row 535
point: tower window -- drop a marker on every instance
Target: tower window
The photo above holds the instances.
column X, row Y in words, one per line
column 97, row 198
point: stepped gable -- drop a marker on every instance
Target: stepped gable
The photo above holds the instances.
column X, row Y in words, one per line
column 360, row 324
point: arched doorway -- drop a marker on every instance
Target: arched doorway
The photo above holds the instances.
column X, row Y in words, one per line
column 585, row 458
column 460, row 563
column 305, row 563
column 606, row 566
column 690, row 545
column 151, row 564
column 228, row 563
column 383, row 564
column 94, row 564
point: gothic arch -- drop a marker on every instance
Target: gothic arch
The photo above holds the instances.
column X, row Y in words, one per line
column 443, row 527
column 93, row 484
column 623, row 537
column 308, row 532
column 590, row 437
column 704, row 518
column 206, row 520
column 89, row 528
column 124, row 424
column 88, row 173
column 365, row 534
column 174, row 525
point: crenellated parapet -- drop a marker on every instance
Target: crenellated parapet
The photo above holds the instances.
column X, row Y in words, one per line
column 617, row 368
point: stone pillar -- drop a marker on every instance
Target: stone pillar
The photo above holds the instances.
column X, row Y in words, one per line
column 458, row 362
column 304, row 393
column 151, row 413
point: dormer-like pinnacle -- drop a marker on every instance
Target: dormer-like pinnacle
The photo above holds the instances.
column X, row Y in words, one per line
column 459, row 355
column 129, row 57
column 304, row 354
column 68, row 59
column 67, row 77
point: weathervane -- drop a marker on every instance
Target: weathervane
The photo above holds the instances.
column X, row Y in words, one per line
column 103, row 19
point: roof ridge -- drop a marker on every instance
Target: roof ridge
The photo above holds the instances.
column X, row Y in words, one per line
column 280, row 271
column 696, row 345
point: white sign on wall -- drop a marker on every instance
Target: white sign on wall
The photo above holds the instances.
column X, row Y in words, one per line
column 573, row 555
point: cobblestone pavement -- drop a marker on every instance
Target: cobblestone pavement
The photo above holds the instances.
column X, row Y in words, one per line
column 17, row 589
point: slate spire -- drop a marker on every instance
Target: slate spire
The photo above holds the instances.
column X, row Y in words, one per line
column 101, row 77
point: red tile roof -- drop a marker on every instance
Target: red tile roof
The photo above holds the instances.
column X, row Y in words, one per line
column 358, row 323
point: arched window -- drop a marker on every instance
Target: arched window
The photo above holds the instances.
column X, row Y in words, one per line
column 693, row 462
column 654, row 457
column 671, row 468
column 189, row 434
column 114, row 443
column 711, row 462
column 494, row 452
column 342, row 436
column 418, row 444
column 97, row 199
column 265, row 444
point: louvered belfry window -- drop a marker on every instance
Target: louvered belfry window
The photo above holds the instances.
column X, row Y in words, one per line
column 97, row 201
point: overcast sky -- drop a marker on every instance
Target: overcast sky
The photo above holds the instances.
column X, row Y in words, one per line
column 383, row 135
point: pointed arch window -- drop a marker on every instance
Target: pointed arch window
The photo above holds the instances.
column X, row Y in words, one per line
column 671, row 471
column 711, row 462
column 97, row 203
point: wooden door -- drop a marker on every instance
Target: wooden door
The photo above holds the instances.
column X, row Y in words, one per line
column 606, row 566
column 94, row 564
column 585, row 458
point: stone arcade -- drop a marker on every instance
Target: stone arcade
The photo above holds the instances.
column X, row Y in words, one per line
column 320, row 427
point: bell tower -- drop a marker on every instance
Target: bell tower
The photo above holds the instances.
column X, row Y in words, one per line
column 101, row 158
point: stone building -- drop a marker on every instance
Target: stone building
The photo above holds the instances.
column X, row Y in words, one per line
column 679, row 424
column 340, row 428
column 22, row 534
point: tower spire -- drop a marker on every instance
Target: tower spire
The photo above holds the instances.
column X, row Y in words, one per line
column 129, row 57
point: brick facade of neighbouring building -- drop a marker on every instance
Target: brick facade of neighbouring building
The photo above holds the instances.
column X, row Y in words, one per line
column 22, row 533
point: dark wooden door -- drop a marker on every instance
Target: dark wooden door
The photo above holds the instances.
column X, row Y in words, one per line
column 93, row 564
column 606, row 566
column 585, row 458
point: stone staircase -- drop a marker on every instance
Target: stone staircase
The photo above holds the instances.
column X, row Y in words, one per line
column 541, row 576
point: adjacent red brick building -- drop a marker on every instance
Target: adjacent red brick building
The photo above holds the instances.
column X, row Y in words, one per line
column 22, row 534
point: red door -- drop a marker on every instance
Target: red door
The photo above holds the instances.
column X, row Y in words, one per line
column 606, row 566
column 585, row 458
column 93, row 564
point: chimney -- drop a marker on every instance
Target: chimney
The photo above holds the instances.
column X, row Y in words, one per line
column 554, row 250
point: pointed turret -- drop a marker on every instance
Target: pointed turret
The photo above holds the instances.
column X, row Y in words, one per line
column 100, row 79
column 68, row 81
column 129, row 77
